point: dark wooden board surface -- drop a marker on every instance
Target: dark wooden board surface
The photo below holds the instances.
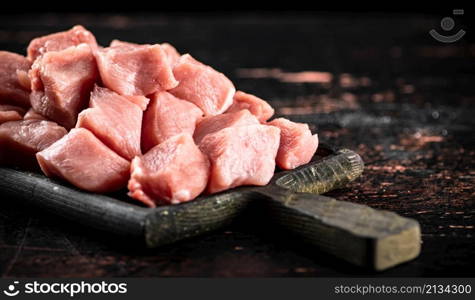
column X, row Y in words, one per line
column 401, row 99
column 292, row 201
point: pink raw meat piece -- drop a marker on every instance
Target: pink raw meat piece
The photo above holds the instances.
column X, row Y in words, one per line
column 20, row 140
column 258, row 107
column 135, row 70
column 60, row 41
column 12, row 90
column 242, row 155
column 61, row 83
column 172, row 172
column 204, row 86
column 119, row 43
column 297, row 144
column 172, row 54
column 10, row 113
column 167, row 116
column 84, row 161
column 212, row 124
column 31, row 114
column 115, row 120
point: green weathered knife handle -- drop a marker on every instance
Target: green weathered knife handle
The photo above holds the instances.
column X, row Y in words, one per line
column 361, row 235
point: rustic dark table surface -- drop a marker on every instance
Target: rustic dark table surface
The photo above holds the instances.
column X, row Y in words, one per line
column 375, row 83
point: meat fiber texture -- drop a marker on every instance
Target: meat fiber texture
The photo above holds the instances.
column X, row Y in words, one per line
column 297, row 144
column 241, row 155
column 167, row 116
column 21, row 140
column 135, row 70
column 13, row 91
column 31, row 114
column 142, row 116
column 83, row 160
column 210, row 90
column 61, row 83
column 172, row 172
column 115, row 120
column 213, row 124
column 257, row 106
column 172, row 54
column 60, row 41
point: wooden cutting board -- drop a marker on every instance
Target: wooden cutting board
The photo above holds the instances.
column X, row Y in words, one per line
column 356, row 233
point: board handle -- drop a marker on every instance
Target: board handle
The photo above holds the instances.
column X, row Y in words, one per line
column 361, row 235
column 334, row 170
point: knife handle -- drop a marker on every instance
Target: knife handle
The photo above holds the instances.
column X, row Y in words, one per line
column 361, row 235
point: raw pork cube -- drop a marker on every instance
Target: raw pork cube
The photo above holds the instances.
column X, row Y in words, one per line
column 135, row 69
column 20, row 140
column 243, row 155
column 172, row 54
column 297, row 144
column 207, row 88
column 31, row 114
column 212, row 124
column 10, row 113
column 12, row 90
column 83, row 160
column 258, row 107
column 172, row 172
column 60, row 41
column 115, row 120
column 167, row 116
column 61, row 82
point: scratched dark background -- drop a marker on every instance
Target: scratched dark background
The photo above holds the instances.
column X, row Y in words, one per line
column 376, row 83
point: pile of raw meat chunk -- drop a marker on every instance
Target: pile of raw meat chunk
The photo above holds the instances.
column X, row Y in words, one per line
column 164, row 125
